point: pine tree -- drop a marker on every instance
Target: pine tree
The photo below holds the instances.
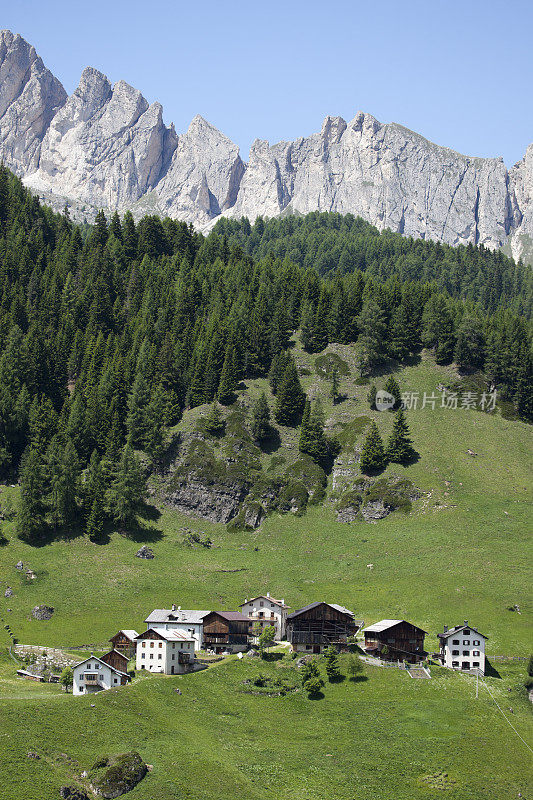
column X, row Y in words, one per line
column 290, row 399
column 371, row 396
column 470, row 347
column 31, row 525
column 373, row 458
column 312, row 440
column 154, row 436
column 214, row 423
column 95, row 520
column 128, row 491
column 370, row 346
column 355, row 666
column 277, row 370
column 400, row 446
column 228, row 377
column 260, row 418
column 332, row 664
column 393, row 388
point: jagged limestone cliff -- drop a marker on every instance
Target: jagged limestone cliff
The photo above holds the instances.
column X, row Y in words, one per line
column 106, row 147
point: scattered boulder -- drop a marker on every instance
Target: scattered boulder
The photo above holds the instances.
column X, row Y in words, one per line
column 73, row 793
column 42, row 612
column 8, row 592
column 19, row 565
column 145, row 552
column 252, row 654
column 113, row 777
column 33, row 755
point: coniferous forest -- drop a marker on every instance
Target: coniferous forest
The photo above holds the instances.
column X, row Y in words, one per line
column 108, row 332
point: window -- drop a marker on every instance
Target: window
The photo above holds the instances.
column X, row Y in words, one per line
column 159, row 656
column 466, row 652
column 142, row 666
column 476, row 642
column 390, row 641
column 466, row 641
column 188, row 646
column 143, row 655
column 455, row 663
column 455, row 641
column 261, row 614
column 307, row 646
column 475, row 653
column 173, row 645
column 466, row 633
column 475, row 663
column 151, row 644
column 261, row 604
column 160, row 644
column 412, row 641
column 144, row 644
column 455, row 652
column 88, row 666
column 115, row 680
column 173, row 656
column 151, row 655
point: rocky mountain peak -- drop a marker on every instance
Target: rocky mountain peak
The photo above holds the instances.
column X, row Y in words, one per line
column 105, row 146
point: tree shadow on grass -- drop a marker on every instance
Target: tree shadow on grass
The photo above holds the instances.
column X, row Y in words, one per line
column 338, row 679
column 149, row 512
column 142, row 534
column 358, row 678
column 316, row 696
column 273, row 656
column 272, row 442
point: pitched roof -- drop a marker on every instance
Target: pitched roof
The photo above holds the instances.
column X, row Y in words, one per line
column 232, row 616
column 385, row 624
column 131, row 634
column 116, row 653
column 95, row 658
column 458, row 628
column 319, row 603
column 169, row 636
column 168, row 615
column 268, row 598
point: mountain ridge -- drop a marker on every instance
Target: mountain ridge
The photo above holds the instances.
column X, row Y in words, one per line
column 105, row 146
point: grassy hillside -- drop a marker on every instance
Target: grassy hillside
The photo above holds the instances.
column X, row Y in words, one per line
column 463, row 553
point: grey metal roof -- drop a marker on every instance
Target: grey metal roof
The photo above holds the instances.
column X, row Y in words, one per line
column 457, row 628
column 319, row 603
column 169, row 636
column 232, row 615
column 130, row 633
column 385, row 624
column 265, row 597
column 183, row 615
column 96, row 658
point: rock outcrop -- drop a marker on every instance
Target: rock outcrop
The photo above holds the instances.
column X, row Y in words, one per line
column 106, row 147
column 42, row 612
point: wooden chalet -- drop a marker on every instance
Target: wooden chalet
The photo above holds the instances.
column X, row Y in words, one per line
column 319, row 625
column 226, row 630
column 117, row 660
column 395, row 640
column 124, row 642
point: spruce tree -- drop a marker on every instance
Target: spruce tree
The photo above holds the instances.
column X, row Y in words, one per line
column 260, row 418
column 393, row 388
column 31, row 524
column 373, row 457
column 277, row 370
column 332, row 664
column 128, row 490
column 400, row 447
column 95, row 520
column 335, row 382
column 214, row 423
column 312, row 440
column 290, row 398
column 228, row 377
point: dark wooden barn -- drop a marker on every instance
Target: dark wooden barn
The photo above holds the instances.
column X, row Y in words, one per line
column 124, row 642
column 117, row 660
column 226, row 630
column 395, row 640
column 317, row 626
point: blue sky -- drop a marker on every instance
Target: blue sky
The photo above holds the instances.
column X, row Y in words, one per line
column 460, row 73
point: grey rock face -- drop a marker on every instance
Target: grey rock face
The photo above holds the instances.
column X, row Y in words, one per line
column 212, row 501
column 8, row 592
column 29, row 98
column 106, row 147
column 145, row 552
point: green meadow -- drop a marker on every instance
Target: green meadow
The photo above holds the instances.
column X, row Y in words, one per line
column 464, row 552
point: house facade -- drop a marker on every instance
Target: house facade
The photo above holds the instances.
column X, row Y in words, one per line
column 317, row 626
column 170, row 652
column 395, row 640
column 463, row 647
column 188, row 622
column 124, row 642
column 117, row 660
column 227, row 631
column 264, row 610
column 95, row 675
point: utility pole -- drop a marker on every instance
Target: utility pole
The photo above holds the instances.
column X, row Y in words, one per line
column 477, row 683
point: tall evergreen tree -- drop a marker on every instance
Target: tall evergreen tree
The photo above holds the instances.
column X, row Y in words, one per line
column 400, row 446
column 126, row 495
column 260, row 418
column 31, row 524
column 373, row 457
column 290, row 399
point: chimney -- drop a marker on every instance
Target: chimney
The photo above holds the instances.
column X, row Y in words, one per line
column 179, row 608
column 268, row 594
column 445, row 629
column 466, row 622
column 173, row 606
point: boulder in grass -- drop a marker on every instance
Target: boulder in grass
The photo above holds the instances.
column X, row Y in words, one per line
column 145, row 552
column 113, row 777
column 8, row 592
column 72, row 793
column 42, row 612
column 19, row 565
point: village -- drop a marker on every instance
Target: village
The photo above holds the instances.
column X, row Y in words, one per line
column 175, row 639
